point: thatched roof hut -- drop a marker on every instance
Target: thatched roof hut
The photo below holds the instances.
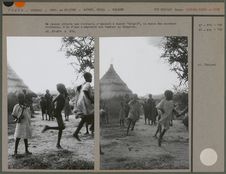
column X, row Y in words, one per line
column 15, row 83
column 111, row 85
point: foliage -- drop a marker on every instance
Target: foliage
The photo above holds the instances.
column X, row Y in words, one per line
column 181, row 98
column 81, row 52
column 176, row 54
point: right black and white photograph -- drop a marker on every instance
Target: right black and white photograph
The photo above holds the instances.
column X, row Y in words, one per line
column 144, row 103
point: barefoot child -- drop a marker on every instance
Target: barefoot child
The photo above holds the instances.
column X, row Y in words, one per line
column 22, row 115
column 166, row 106
column 134, row 113
column 59, row 103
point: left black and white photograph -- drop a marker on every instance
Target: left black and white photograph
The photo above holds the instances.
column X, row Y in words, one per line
column 50, row 103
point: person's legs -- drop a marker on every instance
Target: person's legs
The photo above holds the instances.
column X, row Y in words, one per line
column 16, row 145
column 133, row 125
column 129, row 123
column 59, row 138
column 59, row 122
column 80, row 125
column 160, row 137
column 46, row 114
column 87, row 128
column 149, row 118
column 61, row 127
column 158, row 130
column 92, row 127
column 49, row 116
column 26, row 147
column 49, row 127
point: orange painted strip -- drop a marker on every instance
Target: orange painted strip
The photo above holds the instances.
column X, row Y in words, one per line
column 20, row 4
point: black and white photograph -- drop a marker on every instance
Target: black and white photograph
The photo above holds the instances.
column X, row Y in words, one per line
column 144, row 103
column 50, row 103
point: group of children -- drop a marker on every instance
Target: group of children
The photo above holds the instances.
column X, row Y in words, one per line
column 165, row 110
column 83, row 108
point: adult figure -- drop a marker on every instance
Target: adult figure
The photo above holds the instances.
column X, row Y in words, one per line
column 84, row 105
column 151, row 110
column 49, row 107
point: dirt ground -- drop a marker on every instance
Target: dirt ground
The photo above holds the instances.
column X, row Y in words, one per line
column 140, row 149
column 45, row 155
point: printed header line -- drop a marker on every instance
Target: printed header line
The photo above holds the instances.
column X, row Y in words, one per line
column 189, row 15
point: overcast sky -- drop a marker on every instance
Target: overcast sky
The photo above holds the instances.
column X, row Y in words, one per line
column 40, row 63
column 137, row 61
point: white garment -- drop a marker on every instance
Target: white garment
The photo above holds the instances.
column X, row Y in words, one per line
column 84, row 104
column 167, row 107
column 23, row 129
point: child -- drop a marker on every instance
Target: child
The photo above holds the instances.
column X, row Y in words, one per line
column 22, row 115
column 134, row 112
column 122, row 114
column 166, row 106
column 84, row 105
column 59, row 102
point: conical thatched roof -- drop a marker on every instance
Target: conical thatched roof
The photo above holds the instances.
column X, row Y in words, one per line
column 15, row 83
column 111, row 85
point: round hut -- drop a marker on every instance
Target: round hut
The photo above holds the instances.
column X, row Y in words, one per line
column 15, row 86
column 15, row 83
column 112, row 91
column 111, row 85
